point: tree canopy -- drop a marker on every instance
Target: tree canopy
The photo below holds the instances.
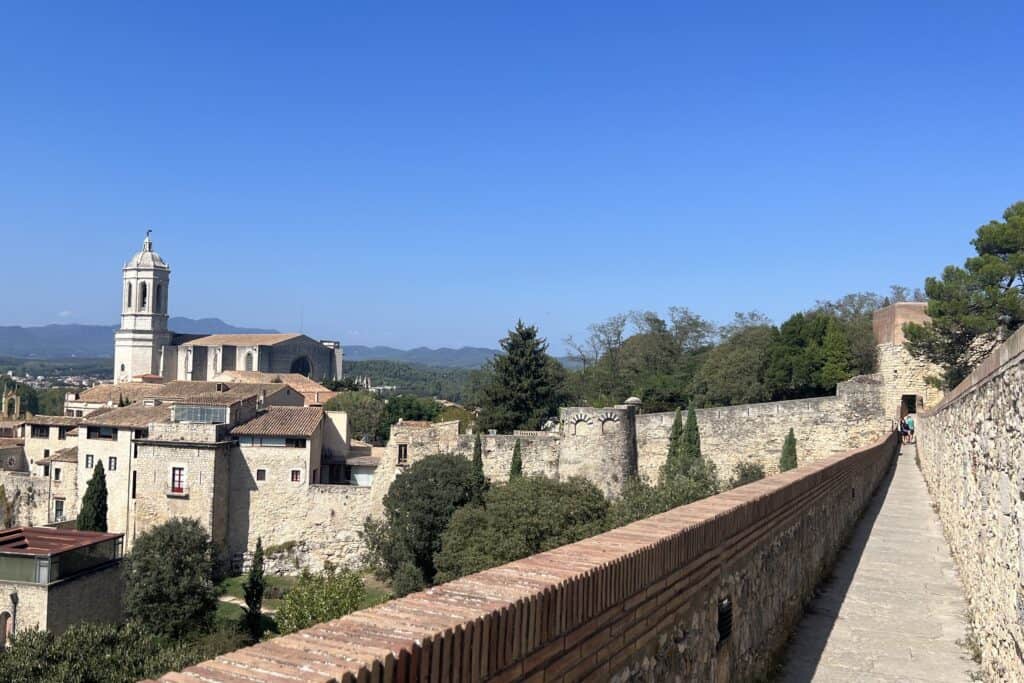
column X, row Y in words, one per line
column 417, row 509
column 523, row 386
column 169, row 585
column 524, row 517
column 973, row 308
column 317, row 598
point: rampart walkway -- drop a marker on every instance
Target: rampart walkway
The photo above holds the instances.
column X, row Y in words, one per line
column 893, row 610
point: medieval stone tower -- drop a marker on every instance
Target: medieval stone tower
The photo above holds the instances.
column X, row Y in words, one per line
column 143, row 333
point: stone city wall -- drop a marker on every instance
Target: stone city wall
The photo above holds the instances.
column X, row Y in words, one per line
column 731, row 435
column 971, row 451
column 642, row 602
column 28, row 496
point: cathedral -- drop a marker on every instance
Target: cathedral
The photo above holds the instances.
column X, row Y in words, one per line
column 145, row 350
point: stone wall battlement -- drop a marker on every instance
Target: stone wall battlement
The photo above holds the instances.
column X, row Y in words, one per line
column 650, row 598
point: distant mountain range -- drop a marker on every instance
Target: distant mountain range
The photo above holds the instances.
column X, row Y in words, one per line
column 93, row 341
column 97, row 341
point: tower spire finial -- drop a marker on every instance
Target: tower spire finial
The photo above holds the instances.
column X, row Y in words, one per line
column 147, row 244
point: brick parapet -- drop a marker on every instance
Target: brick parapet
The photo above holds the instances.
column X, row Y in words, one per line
column 599, row 607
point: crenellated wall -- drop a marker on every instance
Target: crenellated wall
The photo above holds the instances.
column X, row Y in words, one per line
column 642, row 602
column 971, row 451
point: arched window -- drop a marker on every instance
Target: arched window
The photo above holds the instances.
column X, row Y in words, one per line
column 156, row 298
column 129, row 305
column 143, row 296
column 248, row 361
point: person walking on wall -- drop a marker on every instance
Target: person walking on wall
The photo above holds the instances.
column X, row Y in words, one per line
column 910, row 428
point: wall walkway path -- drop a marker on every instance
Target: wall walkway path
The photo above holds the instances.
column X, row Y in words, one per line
column 893, row 609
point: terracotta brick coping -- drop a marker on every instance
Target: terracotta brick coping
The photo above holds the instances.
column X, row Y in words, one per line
column 493, row 624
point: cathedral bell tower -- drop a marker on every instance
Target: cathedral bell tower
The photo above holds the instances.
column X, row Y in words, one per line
column 143, row 334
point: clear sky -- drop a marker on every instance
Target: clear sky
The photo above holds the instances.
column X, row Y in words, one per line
column 425, row 173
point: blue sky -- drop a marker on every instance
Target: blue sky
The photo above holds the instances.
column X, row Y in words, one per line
column 426, row 173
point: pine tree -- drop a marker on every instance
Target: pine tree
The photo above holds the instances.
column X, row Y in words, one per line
column 93, row 516
column 525, row 386
column 478, row 454
column 517, row 462
column 788, row 460
column 254, row 585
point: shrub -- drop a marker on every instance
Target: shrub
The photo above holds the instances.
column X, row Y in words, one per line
column 169, row 586
column 407, row 579
column 527, row 516
column 745, row 473
column 320, row 597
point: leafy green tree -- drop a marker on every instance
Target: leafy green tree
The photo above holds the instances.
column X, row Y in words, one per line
column 478, row 454
column 972, row 309
column 517, row 461
column 317, row 598
column 417, row 509
column 365, row 413
column 746, row 473
column 169, row 586
column 254, row 586
column 410, row 408
column 734, row 371
column 788, row 459
column 525, row 517
column 524, row 386
column 93, row 515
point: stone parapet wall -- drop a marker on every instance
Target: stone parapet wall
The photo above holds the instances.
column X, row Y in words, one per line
column 971, row 451
column 641, row 601
column 735, row 434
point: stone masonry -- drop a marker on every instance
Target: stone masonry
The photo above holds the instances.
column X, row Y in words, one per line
column 971, row 452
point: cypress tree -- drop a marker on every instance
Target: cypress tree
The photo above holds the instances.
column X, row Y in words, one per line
column 838, row 356
column 93, row 516
column 674, row 465
column 517, row 462
column 478, row 454
column 254, row 585
column 788, row 460
column 691, row 439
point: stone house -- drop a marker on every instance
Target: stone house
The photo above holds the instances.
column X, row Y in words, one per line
column 53, row 578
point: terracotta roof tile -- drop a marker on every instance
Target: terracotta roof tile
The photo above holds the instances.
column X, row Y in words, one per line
column 282, row 421
column 242, row 339
column 63, row 455
column 53, row 420
column 135, row 416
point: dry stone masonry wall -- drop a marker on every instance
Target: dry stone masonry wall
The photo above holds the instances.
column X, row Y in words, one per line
column 971, row 450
